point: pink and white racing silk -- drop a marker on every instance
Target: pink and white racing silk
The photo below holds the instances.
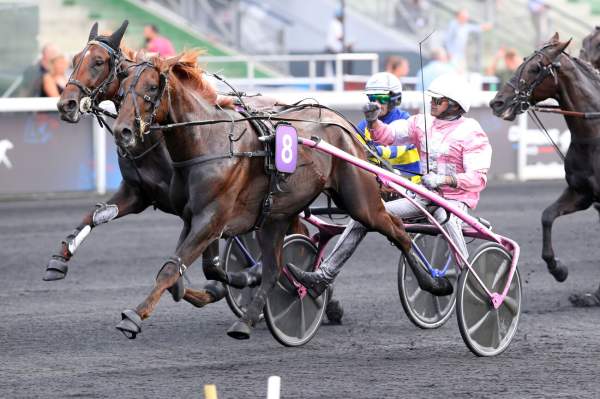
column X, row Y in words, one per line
column 459, row 148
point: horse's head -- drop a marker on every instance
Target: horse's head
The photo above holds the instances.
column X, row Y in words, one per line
column 535, row 80
column 143, row 101
column 95, row 74
column 590, row 50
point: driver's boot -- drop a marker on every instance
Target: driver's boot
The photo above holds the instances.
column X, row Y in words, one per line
column 315, row 282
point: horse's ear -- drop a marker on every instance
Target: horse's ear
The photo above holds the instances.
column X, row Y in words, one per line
column 140, row 56
column 169, row 62
column 93, row 32
column 554, row 38
column 562, row 46
column 117, row 36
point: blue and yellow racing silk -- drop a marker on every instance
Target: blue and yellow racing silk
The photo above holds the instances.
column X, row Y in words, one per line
column 403, row 158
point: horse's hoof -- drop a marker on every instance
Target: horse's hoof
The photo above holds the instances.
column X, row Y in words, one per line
column 177, row 290
column 131, row 324
column 56, row 269
column 586, row 300
column 334, row 311
column 239, row 330
column 560, row 272
column 216, row 289
column 441, row 287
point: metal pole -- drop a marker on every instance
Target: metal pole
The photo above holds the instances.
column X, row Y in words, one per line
column 522, row 148
column 312, row 73
column 99, row 143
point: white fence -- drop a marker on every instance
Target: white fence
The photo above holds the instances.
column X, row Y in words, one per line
column 69, row 157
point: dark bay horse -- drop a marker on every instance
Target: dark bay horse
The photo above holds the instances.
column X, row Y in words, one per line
column 590, row 48
column 551, row 73
column 146, row 169
column 220, row 190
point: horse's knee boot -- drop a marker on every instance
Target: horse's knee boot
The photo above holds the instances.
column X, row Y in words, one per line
column 177, row 290
column 239, row 330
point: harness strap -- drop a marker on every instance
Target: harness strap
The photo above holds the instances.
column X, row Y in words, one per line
column 127, row 155
column 208, row 158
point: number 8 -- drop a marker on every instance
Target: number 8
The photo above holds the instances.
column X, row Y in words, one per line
column 286, row 150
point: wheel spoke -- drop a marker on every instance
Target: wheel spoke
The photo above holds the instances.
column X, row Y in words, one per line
column 415, row 294
column 496, row 331
column 478, row 324
column 302, row 320
column 512, row 305
column 434, row 251
column 438, row 307
column 285, row 311
column 474, row 294
column 499, row 273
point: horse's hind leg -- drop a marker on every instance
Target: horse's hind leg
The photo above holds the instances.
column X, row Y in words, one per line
column 385, row 223
column 570, row 201
column 212, row 291
column 125, row 201
column 203, row 230
column 271, row 243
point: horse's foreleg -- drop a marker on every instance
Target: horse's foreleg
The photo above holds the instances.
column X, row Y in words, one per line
column 125, row 201
column 270, row 238
column 570, row 201
column 203, row 230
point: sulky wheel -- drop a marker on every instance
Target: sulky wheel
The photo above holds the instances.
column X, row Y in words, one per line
column 239, row 255
column 293, row 320
column 485, row 330
column 422, row 308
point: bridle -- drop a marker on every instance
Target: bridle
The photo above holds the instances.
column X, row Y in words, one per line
column 524, row 90
column 154, row 102
column 88, row 103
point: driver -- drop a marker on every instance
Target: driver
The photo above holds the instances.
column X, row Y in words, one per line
column 385, row 90
column 459, row 158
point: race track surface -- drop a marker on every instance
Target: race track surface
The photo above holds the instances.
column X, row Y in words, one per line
column 58, row 339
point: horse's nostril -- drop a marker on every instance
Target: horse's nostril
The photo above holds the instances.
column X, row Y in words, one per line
column 126, row 134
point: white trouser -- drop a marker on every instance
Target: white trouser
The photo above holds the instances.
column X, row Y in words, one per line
column 401, row 208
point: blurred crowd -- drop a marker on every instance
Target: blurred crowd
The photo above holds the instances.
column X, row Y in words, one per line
column 49, row 75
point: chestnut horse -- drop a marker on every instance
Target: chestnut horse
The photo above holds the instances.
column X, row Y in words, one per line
column 551, row 73
column 146, row 169
column 219, row 184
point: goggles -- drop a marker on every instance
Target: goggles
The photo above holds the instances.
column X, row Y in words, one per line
column 380, row 98
column 438, row 100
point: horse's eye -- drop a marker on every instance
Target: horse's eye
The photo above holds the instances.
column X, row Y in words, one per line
column 535, row 69
column 153, row 88
column 99, row 62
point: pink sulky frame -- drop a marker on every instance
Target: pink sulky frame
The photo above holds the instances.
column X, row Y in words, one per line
column 475, row 229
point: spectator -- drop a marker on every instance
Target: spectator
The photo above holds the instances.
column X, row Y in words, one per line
column 457, row 37
column 335, row 38
column 418, row 13
column 511, row 63
column 156, row 43
column 55, row 80
column 438, row 66
column 539, row 16
column 397, row 66
column 32, row 76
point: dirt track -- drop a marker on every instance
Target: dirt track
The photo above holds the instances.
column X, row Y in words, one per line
column 57, row 339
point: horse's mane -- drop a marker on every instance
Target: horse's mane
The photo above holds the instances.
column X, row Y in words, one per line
column 128, row 53
column 188, row 71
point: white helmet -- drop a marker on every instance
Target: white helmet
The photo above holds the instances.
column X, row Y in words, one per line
column 384, row 83
column 454, row 87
